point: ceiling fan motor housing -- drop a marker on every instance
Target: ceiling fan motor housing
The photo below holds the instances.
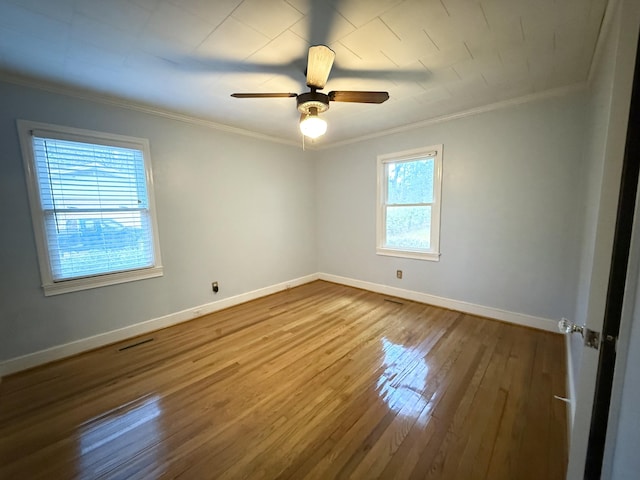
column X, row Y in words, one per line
column 309, row 100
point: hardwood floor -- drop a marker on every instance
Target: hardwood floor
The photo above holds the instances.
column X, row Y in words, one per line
column 319, row 382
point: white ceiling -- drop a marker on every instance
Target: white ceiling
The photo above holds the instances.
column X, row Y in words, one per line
column 434, row 57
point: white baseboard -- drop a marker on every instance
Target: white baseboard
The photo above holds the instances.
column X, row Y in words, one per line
column 571, row 388
column 58, row 352
column 461, row 306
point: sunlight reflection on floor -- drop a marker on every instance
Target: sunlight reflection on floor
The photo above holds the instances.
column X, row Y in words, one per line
column 123, row 432
column 404, row 379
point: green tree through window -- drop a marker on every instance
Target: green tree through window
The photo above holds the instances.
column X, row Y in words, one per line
column 409, row 203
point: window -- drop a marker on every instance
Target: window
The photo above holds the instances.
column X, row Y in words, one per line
column 92, row 207
column 408, row 220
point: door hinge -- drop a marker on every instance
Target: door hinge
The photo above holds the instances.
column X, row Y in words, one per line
column 591, row 338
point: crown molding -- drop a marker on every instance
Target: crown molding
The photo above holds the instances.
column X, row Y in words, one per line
column 534, row 97
column 93, row 96
column 605, row 28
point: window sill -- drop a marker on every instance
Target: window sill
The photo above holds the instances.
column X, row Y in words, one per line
column 100, row 281
column 429, row 256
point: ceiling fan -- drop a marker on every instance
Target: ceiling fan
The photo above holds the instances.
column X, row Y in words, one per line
column 310, row 104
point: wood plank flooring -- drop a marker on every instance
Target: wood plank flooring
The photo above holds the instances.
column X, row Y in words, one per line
column 322, row 381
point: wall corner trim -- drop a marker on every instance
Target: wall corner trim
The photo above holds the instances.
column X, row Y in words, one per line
column 459, row 305
column 24, row 362
column 570, row 388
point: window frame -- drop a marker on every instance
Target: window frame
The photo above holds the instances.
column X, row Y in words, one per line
column 51, row 287
column 433, row 253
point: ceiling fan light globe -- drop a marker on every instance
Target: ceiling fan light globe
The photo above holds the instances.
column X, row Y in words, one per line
column 313, row 126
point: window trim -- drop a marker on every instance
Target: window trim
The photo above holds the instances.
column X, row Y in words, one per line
column 25, row 130
column 433, row 254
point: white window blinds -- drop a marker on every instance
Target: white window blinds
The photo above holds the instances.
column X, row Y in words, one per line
column 95, row 205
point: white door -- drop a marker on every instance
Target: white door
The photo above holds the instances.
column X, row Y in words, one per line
column 623, row 18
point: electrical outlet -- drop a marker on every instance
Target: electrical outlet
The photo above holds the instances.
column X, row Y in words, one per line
column 399, row 274
column 214, row 287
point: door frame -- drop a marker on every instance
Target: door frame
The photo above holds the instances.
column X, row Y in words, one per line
column 617, row 293
column 614, row 66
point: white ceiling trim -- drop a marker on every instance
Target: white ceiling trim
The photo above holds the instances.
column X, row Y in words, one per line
column 556, row 92
column 131, row 105
column 425, row 52
column 605, row 27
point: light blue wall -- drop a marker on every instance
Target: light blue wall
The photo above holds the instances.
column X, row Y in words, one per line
column 251, row 214
column 511, row 209
column 230, row 208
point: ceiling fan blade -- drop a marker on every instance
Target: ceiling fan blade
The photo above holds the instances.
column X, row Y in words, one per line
column 319, row 65
column 263, row 95
column 358, row 97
